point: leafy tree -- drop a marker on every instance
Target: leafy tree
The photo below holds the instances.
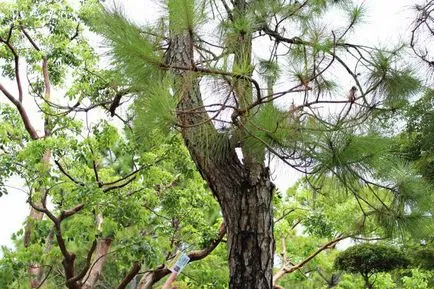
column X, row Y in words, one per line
column 368, row 259
column 326, row 216
column 198, row 70
column 418, row 136
column 422, row 255
column 418, row 280
column 108, row 200
column 415, row 142
column 103, row 206
column 48, row 44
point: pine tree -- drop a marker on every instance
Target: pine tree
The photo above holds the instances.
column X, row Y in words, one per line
column 199, row 71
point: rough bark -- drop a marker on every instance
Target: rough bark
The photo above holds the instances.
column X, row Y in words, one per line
column 250, row 236
column 244, row 192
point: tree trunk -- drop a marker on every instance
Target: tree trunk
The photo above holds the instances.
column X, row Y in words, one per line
column 244, row 192
column 35, row 269
column 368, row 284
column 95, row 270
column 250, row 236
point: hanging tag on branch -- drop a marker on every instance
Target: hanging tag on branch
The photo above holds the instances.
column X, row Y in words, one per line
column 178, row 263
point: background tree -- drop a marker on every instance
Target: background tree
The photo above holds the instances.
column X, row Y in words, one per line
column 101, row 208
column 311, row 222
column 369, row 259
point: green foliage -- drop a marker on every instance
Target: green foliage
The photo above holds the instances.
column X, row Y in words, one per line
column 185, row 15
column 358, row 163
column 318, row 225
column 344, row 153
column 142, row 181
column 151, row 199
column 134, row 53
column 52, row 25
column 269, row 70
column 421, row 254
column 396, row 84
column 367, row 259
column 155, row 109
column 12, row 139
column 419, row 279
column 416, row 142
column 270, row 127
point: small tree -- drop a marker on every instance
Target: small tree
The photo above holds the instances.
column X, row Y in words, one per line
column 369, row 259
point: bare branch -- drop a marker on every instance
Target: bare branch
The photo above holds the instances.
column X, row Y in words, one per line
column 16, row 66
column 128, row 178
column 285, row 270
column 77, row 30
column 119, row 186
column 284, row 215
column 45, row 278
column 32, row 42
column 228, row 10
column 70, row 212
column 67, row 174
column 130, row 275
column 200, row 254
column 23, row 113
column 216, row 72
column 83, row 272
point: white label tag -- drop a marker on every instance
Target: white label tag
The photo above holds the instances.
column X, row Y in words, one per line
column 178, row 263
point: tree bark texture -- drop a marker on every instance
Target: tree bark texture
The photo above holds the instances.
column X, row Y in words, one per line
column 244, row 192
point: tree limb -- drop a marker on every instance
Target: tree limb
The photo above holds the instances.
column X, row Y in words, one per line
column 23, row 113
column 16, row 65
column 153, row 276
column 83, row 272
column 130, row 275
column 285, row 270
column 67, row 174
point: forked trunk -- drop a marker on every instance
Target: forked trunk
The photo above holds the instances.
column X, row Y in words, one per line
column 244, row 190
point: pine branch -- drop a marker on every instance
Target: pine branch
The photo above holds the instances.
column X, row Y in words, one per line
column 215, row 72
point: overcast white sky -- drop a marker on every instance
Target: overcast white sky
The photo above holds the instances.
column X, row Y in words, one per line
column 387, row 22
